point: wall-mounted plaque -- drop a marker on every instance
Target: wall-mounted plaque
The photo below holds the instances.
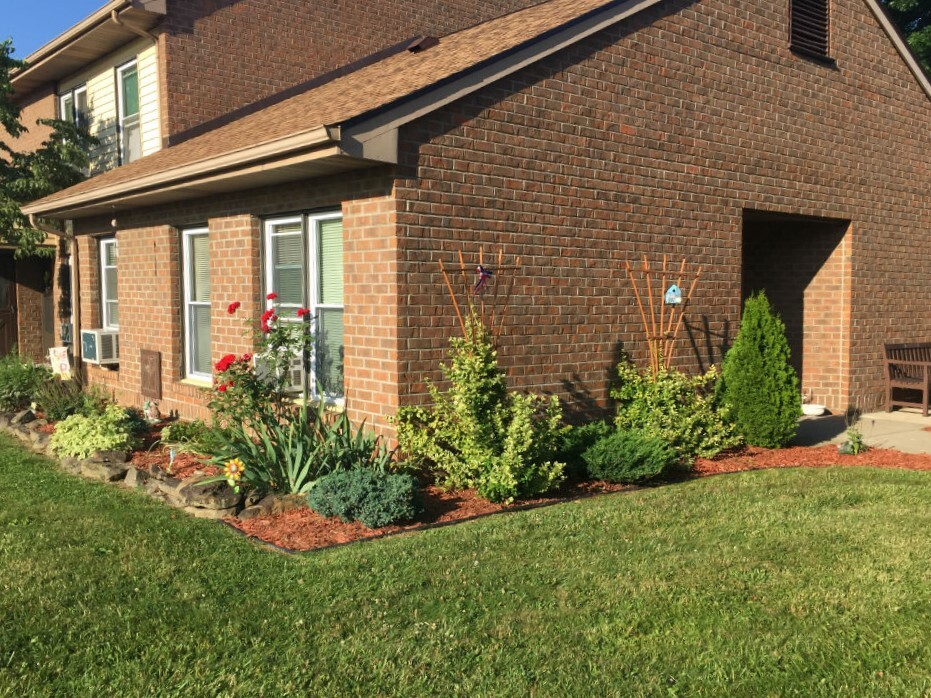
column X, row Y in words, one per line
column 151, row 374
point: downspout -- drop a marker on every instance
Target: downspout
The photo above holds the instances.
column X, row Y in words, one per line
column 115, row 17
column 75, row 287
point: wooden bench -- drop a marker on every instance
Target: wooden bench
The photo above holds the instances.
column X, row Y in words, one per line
column 908, row 366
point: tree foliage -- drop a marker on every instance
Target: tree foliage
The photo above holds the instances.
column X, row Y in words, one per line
column 26, row 176
column 758, row 385
column 914, row 20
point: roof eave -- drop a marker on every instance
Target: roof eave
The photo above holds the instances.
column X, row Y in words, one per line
column 901, row 46
column 312, row 153
column 87, row 41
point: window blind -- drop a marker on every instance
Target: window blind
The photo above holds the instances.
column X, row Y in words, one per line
column 331, row 262
column 288, row 268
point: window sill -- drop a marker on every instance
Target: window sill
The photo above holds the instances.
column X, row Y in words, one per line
column 197, row 382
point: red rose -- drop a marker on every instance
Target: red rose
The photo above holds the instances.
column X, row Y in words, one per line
column 224, row 363
column 267, row 315
column 245, row 358
column 266, row 328
column 301, row 312
column 233, row 307
column 222, row 388
column 272, row 296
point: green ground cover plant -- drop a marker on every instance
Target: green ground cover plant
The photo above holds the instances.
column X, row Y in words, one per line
column 116, row 429
column 629, row 457
column 772, row 583
column 376, row 499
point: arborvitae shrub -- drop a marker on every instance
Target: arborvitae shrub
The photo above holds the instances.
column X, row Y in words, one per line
column 758, row 385
column 629, row 457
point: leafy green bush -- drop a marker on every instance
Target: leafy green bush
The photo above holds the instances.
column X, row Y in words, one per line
column 288, row 453
column 629, row 457
column 81, row 435
column 675, row 408
column 477, row 434
column 60, row 399
column 758, row 385
column 183, row 432
column 578, row 439
column 375, row 499
column 20, row 381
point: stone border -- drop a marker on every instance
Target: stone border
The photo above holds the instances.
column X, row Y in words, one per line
column 206, row 500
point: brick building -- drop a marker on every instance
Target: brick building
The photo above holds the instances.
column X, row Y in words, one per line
column 144, row 74
column 777, row 147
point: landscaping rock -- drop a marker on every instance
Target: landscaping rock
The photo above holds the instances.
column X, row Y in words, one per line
column 23, row 417
column 110, row 456
column 108, row 472
column 135, row 477
column 210, row 513
column 35, row 424
column 4, row 421
column 40, row 441
column 274, row 504
column 71, row 464
column 210, row 495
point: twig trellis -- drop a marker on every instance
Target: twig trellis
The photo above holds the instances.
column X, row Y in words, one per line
column 661, row 331
column 484, row 296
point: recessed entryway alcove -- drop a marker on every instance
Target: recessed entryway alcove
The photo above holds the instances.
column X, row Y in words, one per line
column 803, row 264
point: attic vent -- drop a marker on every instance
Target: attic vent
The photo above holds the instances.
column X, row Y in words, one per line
column 809, row 27
column 422, row 43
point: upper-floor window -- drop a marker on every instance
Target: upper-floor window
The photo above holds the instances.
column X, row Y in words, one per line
column 196, row 258
column 72, row 106
column 130, row 132
column 304, row 268
column 810, row 27
column 109, row 308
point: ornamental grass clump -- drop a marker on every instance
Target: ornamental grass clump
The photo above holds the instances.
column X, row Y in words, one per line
column 479, row 435
column 759, row 387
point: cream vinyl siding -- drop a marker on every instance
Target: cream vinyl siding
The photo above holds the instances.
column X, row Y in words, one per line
column 100, row 80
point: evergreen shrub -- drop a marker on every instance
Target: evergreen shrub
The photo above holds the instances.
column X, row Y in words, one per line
column 758, row 387
column 628, row 457
column 375, row 498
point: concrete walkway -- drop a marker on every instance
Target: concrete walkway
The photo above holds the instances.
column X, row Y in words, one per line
column 902, row 430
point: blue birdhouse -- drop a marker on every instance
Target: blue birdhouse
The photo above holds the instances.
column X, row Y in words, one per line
column 673, row 295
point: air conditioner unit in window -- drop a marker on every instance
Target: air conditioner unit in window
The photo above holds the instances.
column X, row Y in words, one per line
column 100, row 346
column 296, row 377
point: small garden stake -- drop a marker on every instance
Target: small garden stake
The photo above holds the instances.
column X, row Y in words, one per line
column 661, row 329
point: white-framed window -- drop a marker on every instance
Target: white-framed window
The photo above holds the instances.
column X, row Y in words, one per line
column 130, row 132
column 72, row 106
column 304, row 267
column 196, row 264
column 109, row 308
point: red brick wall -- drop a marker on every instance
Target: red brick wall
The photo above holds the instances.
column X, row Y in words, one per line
column 224, row 54
column 150, row 287
column 804, row 268
column 31, row 284
column 652, row 138
column 41, row 104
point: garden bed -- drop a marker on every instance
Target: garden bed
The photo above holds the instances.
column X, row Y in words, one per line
column 302, row 530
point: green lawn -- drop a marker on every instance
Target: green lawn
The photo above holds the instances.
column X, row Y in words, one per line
column 795, row 582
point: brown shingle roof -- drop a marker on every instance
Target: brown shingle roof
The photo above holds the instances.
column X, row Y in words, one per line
column 367, row 89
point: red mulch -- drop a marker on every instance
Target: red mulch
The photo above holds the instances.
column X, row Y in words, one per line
column 304, row 530
column 46, row 428
column 752, row 458
column 185, row 465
